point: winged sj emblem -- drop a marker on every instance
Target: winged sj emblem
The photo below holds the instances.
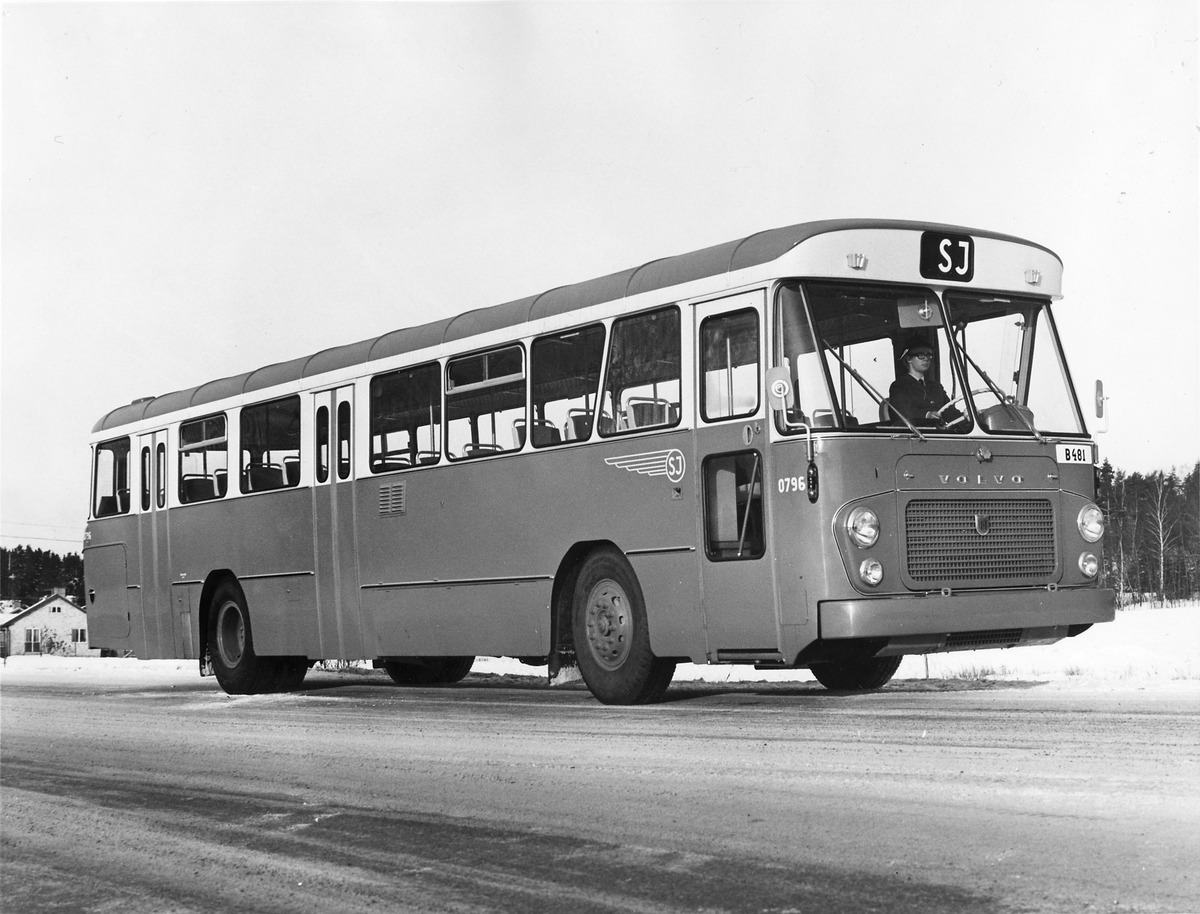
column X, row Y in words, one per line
column 669, row 463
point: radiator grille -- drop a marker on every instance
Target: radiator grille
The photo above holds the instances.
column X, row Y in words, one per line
column 391, row 499
column 945, row 543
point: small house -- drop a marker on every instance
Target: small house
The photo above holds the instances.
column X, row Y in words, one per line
column 53, row 625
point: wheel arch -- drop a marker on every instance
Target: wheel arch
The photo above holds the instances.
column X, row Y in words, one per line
column 563, row 592
column 211, row 583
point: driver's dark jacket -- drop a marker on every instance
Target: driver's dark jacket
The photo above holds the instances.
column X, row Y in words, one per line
column 914, row 398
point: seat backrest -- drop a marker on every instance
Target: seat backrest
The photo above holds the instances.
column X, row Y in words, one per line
column 263, row 476
column 198, row 488
column 291, row 470
column 581, row 423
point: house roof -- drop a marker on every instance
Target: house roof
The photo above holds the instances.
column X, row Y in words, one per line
column 40, row 604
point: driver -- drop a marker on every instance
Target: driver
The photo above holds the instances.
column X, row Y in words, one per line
column 916, row 396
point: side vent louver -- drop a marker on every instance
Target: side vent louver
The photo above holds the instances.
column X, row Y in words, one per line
column 392, row 499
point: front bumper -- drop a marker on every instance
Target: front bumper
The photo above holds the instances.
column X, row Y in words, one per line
column 939, row 614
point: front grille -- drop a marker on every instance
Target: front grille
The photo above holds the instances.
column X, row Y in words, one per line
column 992, row 637
column 945, row 543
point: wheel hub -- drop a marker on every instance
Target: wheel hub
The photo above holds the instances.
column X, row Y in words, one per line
column 609, row 624
column 231, row 634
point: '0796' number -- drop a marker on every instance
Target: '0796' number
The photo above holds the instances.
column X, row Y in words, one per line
column 791, row 484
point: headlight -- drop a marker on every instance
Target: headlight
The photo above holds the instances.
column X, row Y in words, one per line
column 870, row 572
column 863, row 527
column 1089, row 565
column 1091, row 523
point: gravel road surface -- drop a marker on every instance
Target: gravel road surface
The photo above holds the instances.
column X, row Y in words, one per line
column 163, row 794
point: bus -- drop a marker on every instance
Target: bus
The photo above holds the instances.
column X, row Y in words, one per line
column 709, row 458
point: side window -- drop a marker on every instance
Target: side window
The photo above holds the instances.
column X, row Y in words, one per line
column 344, row 431
column 161, row 463
column 564, row 379
column 203, row 459
column 729, row 365
column 322, row 444
column 642, row 389
column 796, row 347
column 270, row 445
column 110, row 478
column 406, row 418
column 485, row 403
column 145, row 479
column 733, row 506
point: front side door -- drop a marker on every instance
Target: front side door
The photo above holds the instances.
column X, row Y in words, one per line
column 339, row 618
column 732, row 458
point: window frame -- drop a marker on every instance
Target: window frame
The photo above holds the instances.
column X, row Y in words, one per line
column 204, row 444
column 377, row 459
column 448, row 394
column 680, row 379
column 702, row 383
column 594, row 396
column 119, row 509
column 244, row 465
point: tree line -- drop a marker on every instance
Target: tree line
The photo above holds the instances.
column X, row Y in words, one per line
column 1152, row 538
column 27, row 575
column 1151, row 543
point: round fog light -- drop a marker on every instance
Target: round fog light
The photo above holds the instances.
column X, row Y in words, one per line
column 1089, row 565
column 870, row 572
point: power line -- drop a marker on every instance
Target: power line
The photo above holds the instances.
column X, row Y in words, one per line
column 42, row 539
column 17, row 523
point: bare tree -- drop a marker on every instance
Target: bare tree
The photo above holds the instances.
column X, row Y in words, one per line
column 1162, row 519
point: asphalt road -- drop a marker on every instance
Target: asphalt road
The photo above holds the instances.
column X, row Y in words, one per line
column 503, row 795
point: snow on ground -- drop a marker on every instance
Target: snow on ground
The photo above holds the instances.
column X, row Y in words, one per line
column 1147, row 646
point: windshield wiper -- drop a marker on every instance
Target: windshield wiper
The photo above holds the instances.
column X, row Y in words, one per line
column 1005, row 401
column 879, row 398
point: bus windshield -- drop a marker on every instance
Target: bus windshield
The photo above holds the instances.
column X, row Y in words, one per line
column 1014, row 364
column 890, row 358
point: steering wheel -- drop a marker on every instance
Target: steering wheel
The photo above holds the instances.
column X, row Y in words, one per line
column 962, row 398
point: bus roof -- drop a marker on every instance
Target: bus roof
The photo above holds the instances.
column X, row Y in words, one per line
column 753, row 250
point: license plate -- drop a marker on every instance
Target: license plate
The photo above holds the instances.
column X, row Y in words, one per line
column 1074, row 453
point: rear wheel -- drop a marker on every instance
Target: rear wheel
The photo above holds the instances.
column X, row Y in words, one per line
column 611, row 636
column 428, row 670
column 856, row 675
column 239, row 670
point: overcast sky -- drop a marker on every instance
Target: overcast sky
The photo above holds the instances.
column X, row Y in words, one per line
column 192, row 191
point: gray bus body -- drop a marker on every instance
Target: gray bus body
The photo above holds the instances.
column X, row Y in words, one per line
column 710, row 524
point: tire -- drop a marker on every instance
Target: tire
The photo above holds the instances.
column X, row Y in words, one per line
column 238, row 669
column 611, row 635
column 429, row 670
column 856, row 675
column 291, row 673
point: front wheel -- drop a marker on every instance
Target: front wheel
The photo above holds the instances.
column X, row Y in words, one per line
column 610, row 633
column 856, row 675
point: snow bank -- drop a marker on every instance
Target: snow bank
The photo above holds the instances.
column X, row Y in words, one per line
column 1159, row 646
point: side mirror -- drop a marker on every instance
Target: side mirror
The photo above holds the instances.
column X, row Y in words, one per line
column 779, row 389
column 1101, row 412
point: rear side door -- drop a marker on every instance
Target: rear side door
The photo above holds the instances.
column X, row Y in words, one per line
column 154, row 578
column 339, row 618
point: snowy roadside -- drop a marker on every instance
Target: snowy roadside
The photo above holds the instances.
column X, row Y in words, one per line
column 1156, row 648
